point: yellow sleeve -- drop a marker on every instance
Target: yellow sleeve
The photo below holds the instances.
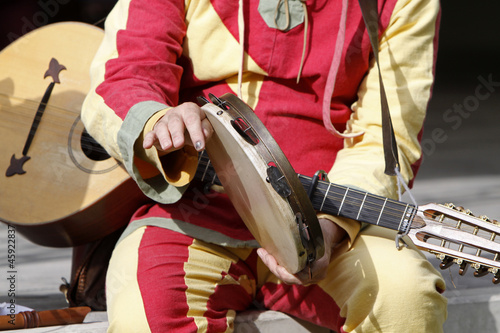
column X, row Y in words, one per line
column 407, row 51
column 351, row 227
column 407, row 56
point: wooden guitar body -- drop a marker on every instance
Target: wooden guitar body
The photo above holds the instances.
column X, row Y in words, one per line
column 53, row 190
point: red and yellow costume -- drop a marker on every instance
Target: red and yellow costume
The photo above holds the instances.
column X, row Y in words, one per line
column 186, row 265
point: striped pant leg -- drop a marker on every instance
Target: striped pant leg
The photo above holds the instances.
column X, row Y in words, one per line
column 163, row 281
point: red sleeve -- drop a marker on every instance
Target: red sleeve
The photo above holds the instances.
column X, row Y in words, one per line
column 148, row 48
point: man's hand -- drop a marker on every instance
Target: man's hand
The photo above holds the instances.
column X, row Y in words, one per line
column 183, row 125
column 332, row 235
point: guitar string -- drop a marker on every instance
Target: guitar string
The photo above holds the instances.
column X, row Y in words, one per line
column 56, row 128
column 28, row 108
column 397, row 211
column 36, row 100
column 60, row 128
column 56, row 123
column 52, row 122
column 63, row 135
column 466, row 226
column 349, row 199
column 349, row 194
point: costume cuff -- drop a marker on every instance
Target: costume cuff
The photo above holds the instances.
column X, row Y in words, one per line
column 141, row 165
column 177, row 168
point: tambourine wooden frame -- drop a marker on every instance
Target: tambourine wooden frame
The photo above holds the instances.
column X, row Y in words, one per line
column 287, row 227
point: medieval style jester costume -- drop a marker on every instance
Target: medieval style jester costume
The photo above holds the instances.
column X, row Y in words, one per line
column 187, row 262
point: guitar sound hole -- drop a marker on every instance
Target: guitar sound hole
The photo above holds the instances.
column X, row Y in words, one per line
column 92, row 149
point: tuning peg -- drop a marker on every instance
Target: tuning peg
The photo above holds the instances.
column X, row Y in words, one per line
column 481, row 271
column 465, row 211
column 496, row 277
column 446, row 262
column 460, row 209
column 463, row 267
column 487, row 219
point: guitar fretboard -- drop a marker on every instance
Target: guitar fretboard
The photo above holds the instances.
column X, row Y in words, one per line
column 205, row 171
column 360, row 206
column 340, row 201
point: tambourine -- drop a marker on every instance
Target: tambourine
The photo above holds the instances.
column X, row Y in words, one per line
column 261, row 184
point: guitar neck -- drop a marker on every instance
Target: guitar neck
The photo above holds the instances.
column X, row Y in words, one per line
column 360, row 206
column 205, row 171
column 340, row 201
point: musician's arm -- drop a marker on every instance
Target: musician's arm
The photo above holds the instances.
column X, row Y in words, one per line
column 135, row 80
column 407, row 54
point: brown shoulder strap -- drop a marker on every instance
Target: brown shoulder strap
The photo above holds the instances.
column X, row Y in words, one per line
column 370, row 16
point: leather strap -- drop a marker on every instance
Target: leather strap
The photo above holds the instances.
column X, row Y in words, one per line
column 369, row 11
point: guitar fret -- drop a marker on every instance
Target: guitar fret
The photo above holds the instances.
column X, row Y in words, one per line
column 361, row 207
column 381, row 211
column 324, row 198
column 343, row 199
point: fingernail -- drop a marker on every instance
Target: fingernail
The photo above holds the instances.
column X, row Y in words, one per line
column 177, row 142
column 197, row 145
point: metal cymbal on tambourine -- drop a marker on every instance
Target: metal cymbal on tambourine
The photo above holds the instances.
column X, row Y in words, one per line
column 262, row 185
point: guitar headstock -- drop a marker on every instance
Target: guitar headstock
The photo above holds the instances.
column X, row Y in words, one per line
column 456, row 236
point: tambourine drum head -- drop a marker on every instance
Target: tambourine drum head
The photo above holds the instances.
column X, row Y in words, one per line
column 243, row 174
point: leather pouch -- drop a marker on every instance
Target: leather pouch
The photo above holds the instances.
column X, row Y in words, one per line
column 88, row 273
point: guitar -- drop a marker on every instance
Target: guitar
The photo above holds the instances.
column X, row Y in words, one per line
column 452, row 233
column 55, row 182
column 59, row 189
